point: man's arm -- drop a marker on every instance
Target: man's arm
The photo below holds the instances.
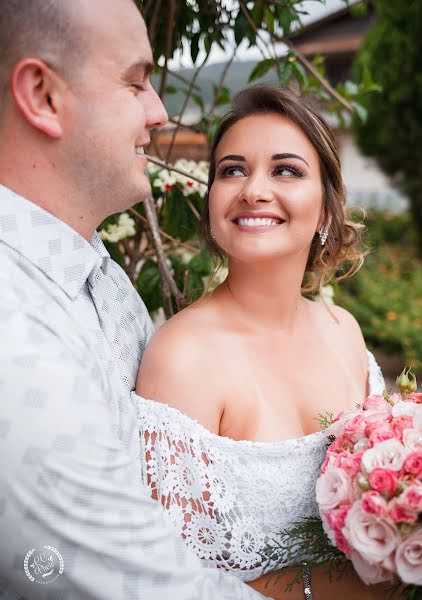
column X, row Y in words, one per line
column 67, row 481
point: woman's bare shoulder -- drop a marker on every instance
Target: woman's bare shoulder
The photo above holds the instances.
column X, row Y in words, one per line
column 179, row 367
column 343, row 327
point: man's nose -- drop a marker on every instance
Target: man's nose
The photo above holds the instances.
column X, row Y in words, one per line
column 157, row 115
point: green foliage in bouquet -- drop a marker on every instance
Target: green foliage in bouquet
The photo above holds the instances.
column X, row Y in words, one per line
column 386, row 295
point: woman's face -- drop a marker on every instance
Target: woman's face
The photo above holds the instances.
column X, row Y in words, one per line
column 266, row 199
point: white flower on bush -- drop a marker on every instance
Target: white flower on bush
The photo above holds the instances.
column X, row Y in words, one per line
column 375, row 538
column 327, row 295
column 125, row 227
column 164, row 180
column 385, row 455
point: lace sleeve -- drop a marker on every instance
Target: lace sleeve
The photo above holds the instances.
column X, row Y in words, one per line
column 181, row 471
column 376, row 383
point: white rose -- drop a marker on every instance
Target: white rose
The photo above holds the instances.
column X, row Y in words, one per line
column 375, row 538
column 333, row 488
column 370, row 574
column 402, row 408
column 412, row 439
column 389, row 454
column 409, row 558
column 417, row 417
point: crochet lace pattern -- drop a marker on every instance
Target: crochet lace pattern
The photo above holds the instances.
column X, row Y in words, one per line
column 229, row 498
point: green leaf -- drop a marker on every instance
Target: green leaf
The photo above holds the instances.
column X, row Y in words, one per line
column 241, row 28
column 170, row 89
column 179, row 220
column 194, row 46
column 201, row 263
column 285, row 70
column 361, row 111
column 148, row 285
column 224, row 96
column 199, row 101
column 300, row 74
column 261, row 69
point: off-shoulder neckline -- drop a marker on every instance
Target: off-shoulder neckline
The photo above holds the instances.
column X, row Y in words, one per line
column 316, row 436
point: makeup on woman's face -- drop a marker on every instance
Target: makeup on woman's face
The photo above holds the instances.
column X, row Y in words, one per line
column 266, row 197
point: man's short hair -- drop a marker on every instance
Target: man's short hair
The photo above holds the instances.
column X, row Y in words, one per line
column 45, row 29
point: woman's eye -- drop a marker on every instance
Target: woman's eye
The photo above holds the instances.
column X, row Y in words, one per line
column 286, row 171
column 231, row 171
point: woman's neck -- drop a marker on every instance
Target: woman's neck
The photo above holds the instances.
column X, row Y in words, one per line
column 266, row 295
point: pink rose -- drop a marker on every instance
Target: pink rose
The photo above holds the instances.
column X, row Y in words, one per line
column 349, row 462
column 369, row 573
column 341, row 543
column 400, row 512
column 337, row 426
column 376, row 408
column 336, row 518
column 354, row 428
column 415, row 397
column 373, row 503
column 383, row 480
column 385, row 455
column 409, row 558
column 399, row 424
column 412, row 497
column 412, row 439
column 333, row 488
column 380, row 434
column 413, row 463
column 373, row 537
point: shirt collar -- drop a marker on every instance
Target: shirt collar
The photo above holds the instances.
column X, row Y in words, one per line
column 52, row 246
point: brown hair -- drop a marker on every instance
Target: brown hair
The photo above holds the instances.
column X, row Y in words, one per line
column 340, row 250
column 45, row 29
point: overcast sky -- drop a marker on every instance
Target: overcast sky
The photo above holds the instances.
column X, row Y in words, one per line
column 315, row 8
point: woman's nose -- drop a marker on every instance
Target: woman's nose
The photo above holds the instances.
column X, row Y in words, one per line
column 257, row 189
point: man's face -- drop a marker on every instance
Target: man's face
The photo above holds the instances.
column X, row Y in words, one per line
column 110, row 112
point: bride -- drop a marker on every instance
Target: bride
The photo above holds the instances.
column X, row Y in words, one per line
column 230, row 443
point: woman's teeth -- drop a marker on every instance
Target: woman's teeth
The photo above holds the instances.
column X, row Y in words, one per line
column 139, row 150
column 257, row 222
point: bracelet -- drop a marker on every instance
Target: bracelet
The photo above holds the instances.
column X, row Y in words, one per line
column 306, row 577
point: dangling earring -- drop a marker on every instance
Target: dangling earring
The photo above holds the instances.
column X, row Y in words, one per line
column 323, row 234
column 212, row 233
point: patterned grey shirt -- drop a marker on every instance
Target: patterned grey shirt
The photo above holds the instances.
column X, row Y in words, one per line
column 72, row 332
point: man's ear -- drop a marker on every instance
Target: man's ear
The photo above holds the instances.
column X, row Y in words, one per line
column 36, row 91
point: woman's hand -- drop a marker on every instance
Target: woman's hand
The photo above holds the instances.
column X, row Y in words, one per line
column 349, row 587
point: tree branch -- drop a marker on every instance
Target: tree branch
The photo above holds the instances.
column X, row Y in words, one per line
column 168, row 285
column 169, row 167
column 172, row 239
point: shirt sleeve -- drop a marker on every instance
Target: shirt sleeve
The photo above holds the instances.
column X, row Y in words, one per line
column 68, row 481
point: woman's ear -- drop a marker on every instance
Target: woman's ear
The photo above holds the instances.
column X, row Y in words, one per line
column 36, row 90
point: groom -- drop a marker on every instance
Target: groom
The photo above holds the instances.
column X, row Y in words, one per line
column 76, row 112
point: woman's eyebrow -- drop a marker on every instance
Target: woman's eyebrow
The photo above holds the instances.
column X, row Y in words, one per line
column 288, row 155
column 237, row 157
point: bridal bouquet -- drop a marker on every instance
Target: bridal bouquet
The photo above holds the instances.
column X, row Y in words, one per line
column 369, row 492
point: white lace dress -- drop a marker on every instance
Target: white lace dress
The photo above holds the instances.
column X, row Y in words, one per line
column 230, row 498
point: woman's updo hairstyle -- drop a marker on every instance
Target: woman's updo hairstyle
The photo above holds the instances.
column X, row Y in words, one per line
column 340, row 254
